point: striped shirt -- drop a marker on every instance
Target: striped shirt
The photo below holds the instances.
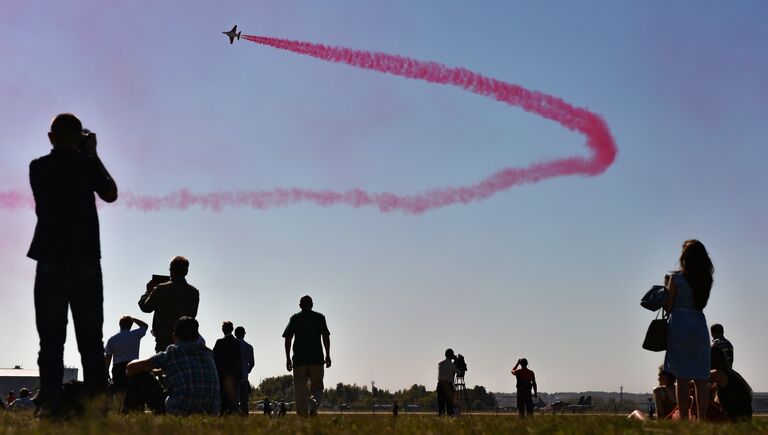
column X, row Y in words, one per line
column 726, row 346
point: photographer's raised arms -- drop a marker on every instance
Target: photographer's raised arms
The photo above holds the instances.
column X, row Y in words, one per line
column 68, row 253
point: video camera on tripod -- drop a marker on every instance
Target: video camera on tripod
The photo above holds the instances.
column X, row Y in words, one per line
column 461, row 365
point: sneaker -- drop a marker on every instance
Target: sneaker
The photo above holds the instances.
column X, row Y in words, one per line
column 313, row 407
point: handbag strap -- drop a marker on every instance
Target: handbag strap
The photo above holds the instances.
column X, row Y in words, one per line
column 664, row 313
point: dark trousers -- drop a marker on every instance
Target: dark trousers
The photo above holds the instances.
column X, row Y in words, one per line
column 58, row 288
column 119, row 378
column 445, row 397
column 229, row 393
column 524, row 404
column 144, row 389
column 245, row 391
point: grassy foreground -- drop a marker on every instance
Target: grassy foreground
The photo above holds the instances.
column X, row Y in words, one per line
column 373, row 424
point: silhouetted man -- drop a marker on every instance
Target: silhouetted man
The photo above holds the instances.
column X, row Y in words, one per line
column 247, row 363
column 651, row 408
column 190, row 375
column 170, row 301
column 267, row 404
column 446, row 372
column 719, row 340
column 525, row 381
column 68, row 253
column 123, row 348
column 226, row 352
column 308, row 327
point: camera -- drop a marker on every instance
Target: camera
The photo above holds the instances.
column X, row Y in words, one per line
column 88, row 136
column 460, row 364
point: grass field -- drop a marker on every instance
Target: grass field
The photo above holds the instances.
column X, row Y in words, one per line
column 366, row 424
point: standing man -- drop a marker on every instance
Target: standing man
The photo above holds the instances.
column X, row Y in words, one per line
column 651, row 408
column 247, row 363
column 226, row 353
column 719, row 340
column 170, row 300
column 123, row 348
column 526, row 380
column 446, row 372
column 267, row 407
column 68, row 254
column 308, row 327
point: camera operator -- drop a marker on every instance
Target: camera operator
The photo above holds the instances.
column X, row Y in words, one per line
column 446, row 371
column 68, row 254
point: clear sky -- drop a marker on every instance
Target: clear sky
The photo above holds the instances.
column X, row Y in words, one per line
column 551, row 271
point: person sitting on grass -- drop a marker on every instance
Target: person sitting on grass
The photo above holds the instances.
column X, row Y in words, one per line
column 663, row 398
column 665, row 394
column 191, row 378
column 734, row 395
column 730, row 397
column 23, row 403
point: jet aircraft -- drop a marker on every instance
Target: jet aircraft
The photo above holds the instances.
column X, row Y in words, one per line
column 233, row 34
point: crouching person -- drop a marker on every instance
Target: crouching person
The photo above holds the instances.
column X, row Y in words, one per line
column 191, row 379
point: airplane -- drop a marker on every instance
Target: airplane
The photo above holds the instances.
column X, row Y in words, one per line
column 584, row 404
column 233, row 34
column 556, row 406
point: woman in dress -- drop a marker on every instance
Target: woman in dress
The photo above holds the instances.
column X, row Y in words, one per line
column 688, row 354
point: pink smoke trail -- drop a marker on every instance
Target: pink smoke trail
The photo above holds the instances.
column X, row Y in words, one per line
column 599, row 142
column 14, row 199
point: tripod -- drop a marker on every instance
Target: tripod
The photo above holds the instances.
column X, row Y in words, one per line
column 460, row 392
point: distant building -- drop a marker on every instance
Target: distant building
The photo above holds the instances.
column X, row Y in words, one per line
column 760, row 402
column 505, row 400
column 18, row 378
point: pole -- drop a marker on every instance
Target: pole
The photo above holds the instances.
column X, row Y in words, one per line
column 621, row 396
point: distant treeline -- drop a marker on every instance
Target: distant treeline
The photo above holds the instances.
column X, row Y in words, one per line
column 280, row 388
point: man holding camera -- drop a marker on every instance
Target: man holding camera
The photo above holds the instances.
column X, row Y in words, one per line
column 68, row 253
column 170, row 298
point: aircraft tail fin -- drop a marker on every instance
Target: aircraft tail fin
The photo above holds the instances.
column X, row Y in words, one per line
column 238, row 35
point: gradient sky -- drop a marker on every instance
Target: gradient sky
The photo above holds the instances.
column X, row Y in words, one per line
column 552, row 271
